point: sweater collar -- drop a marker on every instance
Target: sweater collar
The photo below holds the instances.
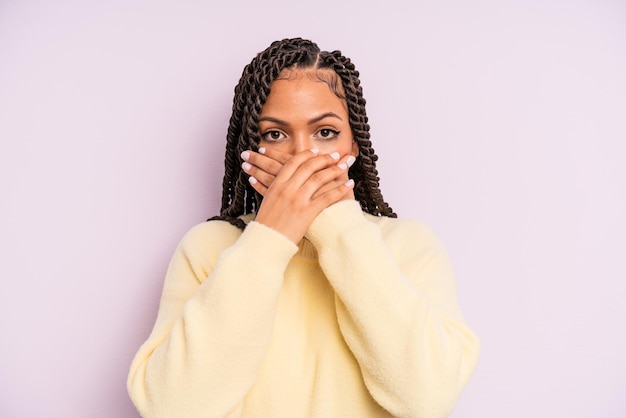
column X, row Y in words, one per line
column 306, row 249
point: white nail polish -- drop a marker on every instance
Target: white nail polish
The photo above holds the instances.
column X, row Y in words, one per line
column 245, row 155
column 350, row 183
column 262, row 150
column 351, row 159
column 315, row 150
column 343, row 166
column 252, row 180
column 334, row 156
column 246, row 166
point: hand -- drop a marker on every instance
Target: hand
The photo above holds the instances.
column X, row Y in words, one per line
column 264, row 166
column 296, row 189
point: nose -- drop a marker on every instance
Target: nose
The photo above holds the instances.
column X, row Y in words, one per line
column 301, row 142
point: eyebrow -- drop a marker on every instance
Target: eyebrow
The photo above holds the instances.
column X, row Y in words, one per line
column 311, row 122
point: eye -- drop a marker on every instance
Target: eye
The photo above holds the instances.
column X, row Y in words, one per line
column 327, row 133
column 273, row 136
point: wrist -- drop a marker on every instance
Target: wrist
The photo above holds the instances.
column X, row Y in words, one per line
column 338, row 217
column 290, row 230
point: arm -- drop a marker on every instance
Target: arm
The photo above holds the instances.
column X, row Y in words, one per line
column 211, row 334
column 397, row 310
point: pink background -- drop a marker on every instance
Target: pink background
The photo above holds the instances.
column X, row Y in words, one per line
column 501, row 124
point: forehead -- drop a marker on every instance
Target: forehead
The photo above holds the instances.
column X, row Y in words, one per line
column 326, row 75
column 303, row 91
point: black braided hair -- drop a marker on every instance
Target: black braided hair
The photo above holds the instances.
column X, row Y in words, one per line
column 238, row 196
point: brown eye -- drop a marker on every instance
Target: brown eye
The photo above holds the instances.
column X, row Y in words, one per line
column 327, row 133
column 273, row 136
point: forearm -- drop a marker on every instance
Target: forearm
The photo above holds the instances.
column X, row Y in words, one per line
column 397, row 311
column 210, row 337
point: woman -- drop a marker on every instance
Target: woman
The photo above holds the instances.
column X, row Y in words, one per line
column 306, row 296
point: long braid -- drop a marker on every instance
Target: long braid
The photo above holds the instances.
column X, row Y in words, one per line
column 364, row 172
column 238, row 196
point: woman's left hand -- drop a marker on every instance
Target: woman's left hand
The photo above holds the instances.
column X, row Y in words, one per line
column 301, row 189
column 265, row 165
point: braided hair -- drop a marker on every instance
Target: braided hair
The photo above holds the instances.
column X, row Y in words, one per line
column 238, row 196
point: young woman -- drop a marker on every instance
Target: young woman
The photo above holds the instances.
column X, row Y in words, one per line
column 306, row 297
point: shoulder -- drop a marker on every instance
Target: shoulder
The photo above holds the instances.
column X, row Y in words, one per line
column 409, row 239
column 210, row 231
column 403, row 229
column 201, row 246
column 208, row 239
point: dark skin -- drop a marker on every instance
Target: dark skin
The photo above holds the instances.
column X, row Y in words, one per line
column 305, row 184
column 305, row 152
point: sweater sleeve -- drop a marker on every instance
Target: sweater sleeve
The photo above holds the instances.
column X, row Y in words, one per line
column 397, row 310
column 214, row 323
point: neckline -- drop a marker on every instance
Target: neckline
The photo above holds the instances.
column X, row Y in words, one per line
column 306, row 249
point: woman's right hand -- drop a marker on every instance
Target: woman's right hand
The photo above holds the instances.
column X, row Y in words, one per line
column 296, row 188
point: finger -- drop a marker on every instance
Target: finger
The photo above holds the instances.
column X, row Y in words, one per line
column 300, row 170
column 295, row 162
column 331, row 185
column 347, row 161
column 260, row 175
column 256, row 185
column 333, row 195
column 265, row 163
column 327, row 178
column 324, row 180
column 281, row 157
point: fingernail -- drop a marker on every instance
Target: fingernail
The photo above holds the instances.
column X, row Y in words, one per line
column 315, row 150
column 252, row 180
column 245, row 155
column 262, row 150
column 351, row 159
column 246, row 166
column 349, row 183
column 343, row 166
column 334, row 156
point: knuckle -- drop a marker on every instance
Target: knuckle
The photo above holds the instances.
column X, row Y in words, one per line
column 275, row 167
column 318, row 177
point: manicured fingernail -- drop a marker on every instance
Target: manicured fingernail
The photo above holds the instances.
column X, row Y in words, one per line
column 343, row 166
column 262, row 150
column 245, row 155
column 315, row 150
column 252, row 180
column 349, row 183
column 246, row 166
column 334, row 156
column 351, row 159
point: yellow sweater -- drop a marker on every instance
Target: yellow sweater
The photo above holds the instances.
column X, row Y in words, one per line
column 360, row 320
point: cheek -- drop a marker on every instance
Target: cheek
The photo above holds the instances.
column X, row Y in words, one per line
column 277, row 146
column 340, row 147
column 348, row 146
column 343, row 146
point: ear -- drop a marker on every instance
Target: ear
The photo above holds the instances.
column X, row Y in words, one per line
column 355, row 148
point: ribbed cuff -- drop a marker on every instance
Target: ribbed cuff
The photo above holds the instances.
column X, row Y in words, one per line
column 263, row 241
column 335, row 219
